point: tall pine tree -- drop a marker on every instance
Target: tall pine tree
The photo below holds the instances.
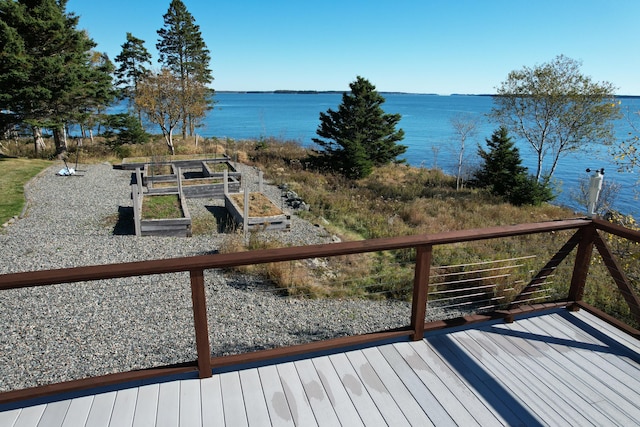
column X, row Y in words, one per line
column 48, row 76
column 183, row 51
column 359, row 135
column 133, row 60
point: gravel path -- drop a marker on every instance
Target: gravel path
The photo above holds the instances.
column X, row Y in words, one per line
column 64, row 332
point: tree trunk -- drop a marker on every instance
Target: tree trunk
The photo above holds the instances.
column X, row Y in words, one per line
column 38, row 141
column 60, row 140
column 91, row 136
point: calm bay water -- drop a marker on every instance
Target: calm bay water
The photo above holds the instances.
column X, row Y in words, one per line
column 426, row 120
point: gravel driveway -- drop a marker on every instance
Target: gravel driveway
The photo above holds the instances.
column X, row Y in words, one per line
column 64, row 332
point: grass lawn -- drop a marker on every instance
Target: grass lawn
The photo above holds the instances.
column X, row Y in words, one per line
column 15, row 174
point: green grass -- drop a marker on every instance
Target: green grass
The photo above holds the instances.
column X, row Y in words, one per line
column 15, row 174
column 161, row 207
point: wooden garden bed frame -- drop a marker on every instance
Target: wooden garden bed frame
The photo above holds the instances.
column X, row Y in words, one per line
column 281, row 221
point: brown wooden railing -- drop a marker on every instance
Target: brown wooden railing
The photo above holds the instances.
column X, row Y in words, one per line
column 586, row 236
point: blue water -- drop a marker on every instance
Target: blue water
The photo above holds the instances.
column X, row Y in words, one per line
column 429, row 135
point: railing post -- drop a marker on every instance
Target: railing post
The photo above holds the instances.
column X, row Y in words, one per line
column 200, row 322
column 581, row 265
column 420, row 291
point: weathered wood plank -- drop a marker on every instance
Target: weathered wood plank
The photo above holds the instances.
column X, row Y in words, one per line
column 147, row 406
column 54, row 413
column 612, row 332
column 235, row 413
column 254, row 400
column 276, row 400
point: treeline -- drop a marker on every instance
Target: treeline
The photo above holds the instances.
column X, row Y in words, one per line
column 52, row 76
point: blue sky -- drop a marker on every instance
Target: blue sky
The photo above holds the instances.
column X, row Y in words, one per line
column 421, row 46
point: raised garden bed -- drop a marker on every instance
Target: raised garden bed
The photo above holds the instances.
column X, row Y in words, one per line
column 212, row 187
column 263, row 213
column 160, row 214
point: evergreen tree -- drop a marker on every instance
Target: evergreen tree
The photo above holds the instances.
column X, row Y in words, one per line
column 184, row 52
column 359, row 135
column 503, row 174
column 132, row 59
column 47, row 77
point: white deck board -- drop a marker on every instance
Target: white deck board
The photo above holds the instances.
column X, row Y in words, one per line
column 146, row 406
column 557, row 368
column 78, row 412
column 190, row 403
column 316, row 395
column 336, row 392
column 276, row 401
column 232, row 400
column 362, row 401
column 256, row 406
column 296, row 397
column 101, row 409
column 211, row 396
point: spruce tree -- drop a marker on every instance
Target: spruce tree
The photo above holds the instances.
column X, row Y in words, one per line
column 133, row 60
column 48, row 72
column 503, row 174
column 359, row 135
column 183, row 51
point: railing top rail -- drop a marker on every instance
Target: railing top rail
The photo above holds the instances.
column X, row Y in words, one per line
column 203, row 262
column 618, row 230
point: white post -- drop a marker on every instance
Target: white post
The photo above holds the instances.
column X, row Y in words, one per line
column 179, row 182
column 595, row 185
column 246, row 212
column 260, row 181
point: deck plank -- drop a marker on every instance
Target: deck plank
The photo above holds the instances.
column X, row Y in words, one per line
column 29, row 417
column 296, row 397
column 316, row 394
column 562, row 397
column 257, row 412
column 8, row 418
column 168, row 414
column 594, row 375
column 78, row 412
column 146, row 406
column 611, row 331
column 234, row 406
column 101, row 409
column 336, row 392
column 406, row 390
column 277, row 405
column 430, row 390
column 360, row 397
column 124, row 407
column 212, row 408
column 190, row 410
column 54, row 413
column 383, row 399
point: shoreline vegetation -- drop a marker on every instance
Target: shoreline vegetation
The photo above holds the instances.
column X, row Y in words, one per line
column 395, row 200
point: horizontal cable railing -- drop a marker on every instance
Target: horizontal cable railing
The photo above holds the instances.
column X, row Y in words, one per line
column 488, row 285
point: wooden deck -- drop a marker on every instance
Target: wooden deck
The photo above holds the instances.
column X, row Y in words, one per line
column 552, row 368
